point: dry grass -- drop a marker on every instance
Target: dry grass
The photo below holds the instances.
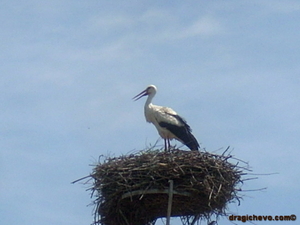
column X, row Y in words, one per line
column 133, row 189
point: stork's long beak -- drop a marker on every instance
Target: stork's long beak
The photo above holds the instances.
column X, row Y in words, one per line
column 142, row 94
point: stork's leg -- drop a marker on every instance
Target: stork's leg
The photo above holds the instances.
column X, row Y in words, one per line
column 166, row 147
column 169, row 145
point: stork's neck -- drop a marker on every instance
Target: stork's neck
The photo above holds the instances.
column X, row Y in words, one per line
column 149, row 100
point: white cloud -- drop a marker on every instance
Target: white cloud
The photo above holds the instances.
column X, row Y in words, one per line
column 203, row 27
column 106, row 24
column 152, row 26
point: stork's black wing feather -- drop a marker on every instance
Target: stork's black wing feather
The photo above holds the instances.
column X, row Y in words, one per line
column 183, row 132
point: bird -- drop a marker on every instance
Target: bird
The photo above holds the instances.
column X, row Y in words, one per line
column 167, row 122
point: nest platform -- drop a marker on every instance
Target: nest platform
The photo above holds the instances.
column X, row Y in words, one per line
column 134, row 189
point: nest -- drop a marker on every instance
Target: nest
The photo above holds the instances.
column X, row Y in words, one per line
column 133, row 189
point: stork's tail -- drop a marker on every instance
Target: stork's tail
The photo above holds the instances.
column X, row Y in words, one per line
column 183, row 134
column 192, row 142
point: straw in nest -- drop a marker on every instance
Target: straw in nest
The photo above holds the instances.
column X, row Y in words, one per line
column 132, row 189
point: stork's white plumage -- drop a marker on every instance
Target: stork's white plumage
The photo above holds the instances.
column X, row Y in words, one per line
column 167, row 122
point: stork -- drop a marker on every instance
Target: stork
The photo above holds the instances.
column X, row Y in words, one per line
column 167, row 122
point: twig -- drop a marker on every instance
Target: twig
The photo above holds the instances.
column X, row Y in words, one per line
column 75, row 181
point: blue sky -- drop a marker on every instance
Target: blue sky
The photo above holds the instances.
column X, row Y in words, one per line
column 70, row 68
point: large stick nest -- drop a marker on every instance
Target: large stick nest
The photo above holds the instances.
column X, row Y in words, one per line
column 133, row 189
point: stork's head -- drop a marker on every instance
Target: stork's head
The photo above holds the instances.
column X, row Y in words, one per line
column 150, row 90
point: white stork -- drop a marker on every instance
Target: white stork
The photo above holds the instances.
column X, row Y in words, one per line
column 167, row 122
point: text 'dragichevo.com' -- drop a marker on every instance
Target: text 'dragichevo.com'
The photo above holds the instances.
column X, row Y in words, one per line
column 245, row 218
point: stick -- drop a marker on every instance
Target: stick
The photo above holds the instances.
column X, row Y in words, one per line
column 170, row 201
column 81, row 179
